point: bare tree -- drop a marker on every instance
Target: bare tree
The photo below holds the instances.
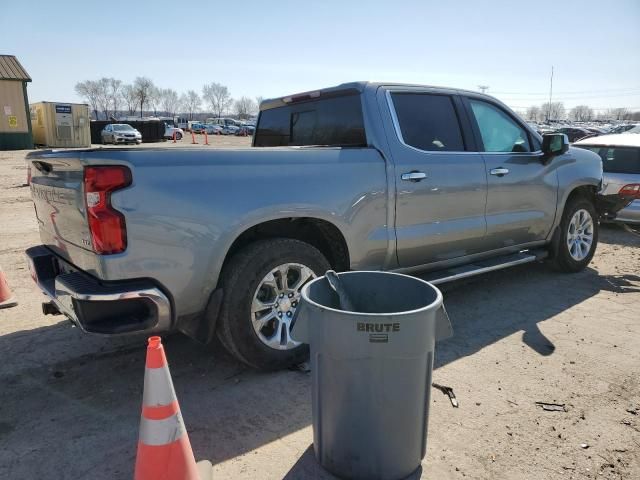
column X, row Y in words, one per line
column 218, row 98
column 130, row 98
column 533, row 113
column 115, row 93
column 245, row 107
column 155, row 99
column 169, row 100
column 554, row 110
column 89, row 91
column 259, row 100
column 622, row 113
column 143, row 88
column 581, row 113
column 104, row 99
column 191, row 102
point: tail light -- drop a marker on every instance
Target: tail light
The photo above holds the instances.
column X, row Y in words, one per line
column 630, row 191
column 106, row 224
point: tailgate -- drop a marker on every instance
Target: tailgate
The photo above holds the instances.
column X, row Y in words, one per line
column 57, row 192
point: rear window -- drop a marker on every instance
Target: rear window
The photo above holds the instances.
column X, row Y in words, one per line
column 335, row 122
column 617, row 159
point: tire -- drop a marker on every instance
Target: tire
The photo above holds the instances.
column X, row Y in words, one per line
column 178, row 136
column 564, row 260
column 240, row 280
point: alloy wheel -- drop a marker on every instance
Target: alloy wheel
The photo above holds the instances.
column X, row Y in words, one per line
column 275, row 302
column 580, row 235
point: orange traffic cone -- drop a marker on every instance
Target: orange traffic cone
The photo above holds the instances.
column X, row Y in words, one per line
column 193, row 138
column 164, row 450
column 6, row 297
column 174, row 137
column 206, row 138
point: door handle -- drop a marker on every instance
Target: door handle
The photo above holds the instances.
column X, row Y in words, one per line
column 501, row 171
column 413, row 176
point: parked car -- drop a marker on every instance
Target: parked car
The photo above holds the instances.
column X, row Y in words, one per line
column 622, row 128
column 393, row 177
column 229, row 129
column 170, row 130
column 246, row 130
column 198, row 127
column 120, row 133
column 620, row 156
column 229, row 125
column 213, row 129
column 575, row 133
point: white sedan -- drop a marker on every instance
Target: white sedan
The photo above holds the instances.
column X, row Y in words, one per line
column 120, row 133
column 169, row 130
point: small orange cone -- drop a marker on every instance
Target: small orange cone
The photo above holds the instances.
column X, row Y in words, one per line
column 164, row 450
column 6, row 297
column 174, row 137
column 206, row 138
column 193, row 138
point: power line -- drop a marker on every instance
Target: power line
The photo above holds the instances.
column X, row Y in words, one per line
column 573, row 91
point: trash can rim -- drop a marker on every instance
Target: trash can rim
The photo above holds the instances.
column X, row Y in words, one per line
column 438, row 300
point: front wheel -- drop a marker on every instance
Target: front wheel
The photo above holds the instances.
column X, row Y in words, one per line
column 262, row 285
column 578, row 236
column 178, row 136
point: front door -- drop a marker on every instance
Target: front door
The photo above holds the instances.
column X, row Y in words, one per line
column 522, row 189
column 441, row 184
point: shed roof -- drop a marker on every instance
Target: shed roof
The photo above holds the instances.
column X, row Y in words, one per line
column 10, row 69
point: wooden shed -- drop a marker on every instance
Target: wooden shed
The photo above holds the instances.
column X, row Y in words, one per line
column 15, row 122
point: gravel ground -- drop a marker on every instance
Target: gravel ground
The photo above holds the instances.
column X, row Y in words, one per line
column 70, row 403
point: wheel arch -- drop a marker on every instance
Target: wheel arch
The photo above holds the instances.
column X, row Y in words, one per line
column 320, row 233
column 588, row 191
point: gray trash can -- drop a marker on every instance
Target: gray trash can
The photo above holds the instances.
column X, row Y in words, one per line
column 371, row 371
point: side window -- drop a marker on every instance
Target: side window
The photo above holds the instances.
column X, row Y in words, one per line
column 428, row 122
column 499, row 132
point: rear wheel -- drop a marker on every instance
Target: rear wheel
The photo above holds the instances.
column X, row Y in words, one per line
column 178, row 136
column 262, row 285
column 578, row 236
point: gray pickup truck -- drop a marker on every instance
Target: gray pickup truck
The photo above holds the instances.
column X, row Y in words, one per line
column 365, row 176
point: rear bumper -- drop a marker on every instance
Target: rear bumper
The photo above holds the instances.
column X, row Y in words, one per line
column 630, row 214
column 113, row 308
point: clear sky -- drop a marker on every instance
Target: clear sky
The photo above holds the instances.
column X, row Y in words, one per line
column 273, row 48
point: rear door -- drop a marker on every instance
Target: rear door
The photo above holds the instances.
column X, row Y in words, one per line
column 522, row 190
column 441, row 184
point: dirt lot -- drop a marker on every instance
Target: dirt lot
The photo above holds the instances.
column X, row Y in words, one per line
column 70, row 403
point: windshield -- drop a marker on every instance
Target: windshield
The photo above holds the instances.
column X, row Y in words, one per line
column 123, row 128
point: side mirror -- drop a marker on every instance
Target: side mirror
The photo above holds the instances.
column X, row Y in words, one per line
column 554, row 144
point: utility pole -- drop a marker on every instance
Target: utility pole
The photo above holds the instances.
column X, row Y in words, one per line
column 550, row 94
column 483, row 88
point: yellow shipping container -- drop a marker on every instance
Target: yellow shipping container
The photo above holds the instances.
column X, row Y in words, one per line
column 60, row 125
